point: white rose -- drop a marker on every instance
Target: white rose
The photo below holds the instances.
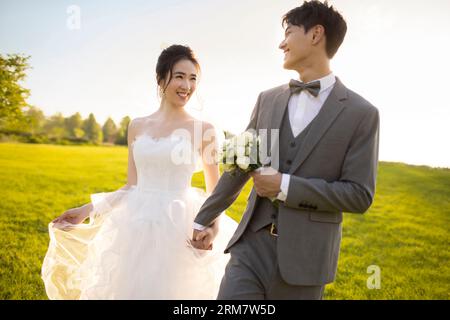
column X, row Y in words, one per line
column 230, row 151
column 234, row 141
column 241, row 141
column 240, row 152
column 248, row 136
column 243, row 162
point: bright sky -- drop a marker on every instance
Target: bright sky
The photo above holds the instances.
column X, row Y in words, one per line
column 395, row 55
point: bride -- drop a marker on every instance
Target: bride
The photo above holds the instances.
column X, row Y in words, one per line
column 136, row 242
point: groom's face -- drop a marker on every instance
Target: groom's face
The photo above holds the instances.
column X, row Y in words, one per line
column 296, row 46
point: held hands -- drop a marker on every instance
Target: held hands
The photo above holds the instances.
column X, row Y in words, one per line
column 203, row 240
column 267, row 182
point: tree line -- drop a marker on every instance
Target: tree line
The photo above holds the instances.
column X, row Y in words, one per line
column 35, row 127
column 20, row 121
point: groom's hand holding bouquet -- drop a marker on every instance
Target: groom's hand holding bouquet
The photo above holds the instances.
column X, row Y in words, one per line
column 241, row 154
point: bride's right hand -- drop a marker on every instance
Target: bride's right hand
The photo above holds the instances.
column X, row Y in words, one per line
column 72, row 216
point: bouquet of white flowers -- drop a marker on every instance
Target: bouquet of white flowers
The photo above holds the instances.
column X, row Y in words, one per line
column 241, row 153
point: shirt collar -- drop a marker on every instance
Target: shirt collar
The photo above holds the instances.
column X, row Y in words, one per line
column 326, row 82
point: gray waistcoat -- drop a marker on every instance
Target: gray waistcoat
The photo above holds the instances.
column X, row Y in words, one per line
column 265, row 212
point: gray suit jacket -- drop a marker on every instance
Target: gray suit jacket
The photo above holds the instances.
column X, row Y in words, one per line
column 334, row 171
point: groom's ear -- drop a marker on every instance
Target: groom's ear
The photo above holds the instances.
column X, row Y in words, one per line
column 318, row 33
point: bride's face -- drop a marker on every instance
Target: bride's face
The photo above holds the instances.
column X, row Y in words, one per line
column 182, row 84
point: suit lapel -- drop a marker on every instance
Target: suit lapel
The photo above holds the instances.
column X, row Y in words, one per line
column 273, row 140
column 280, row 105
column 328, row 113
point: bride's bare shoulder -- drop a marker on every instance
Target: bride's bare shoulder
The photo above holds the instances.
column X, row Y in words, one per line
column 137, row 126
column 140, row 122
column 208, row 129
column 204, row 124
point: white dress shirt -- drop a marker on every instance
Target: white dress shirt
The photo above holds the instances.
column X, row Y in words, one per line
column 303, row 107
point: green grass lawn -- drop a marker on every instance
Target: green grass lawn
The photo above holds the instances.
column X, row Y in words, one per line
column 405, row 233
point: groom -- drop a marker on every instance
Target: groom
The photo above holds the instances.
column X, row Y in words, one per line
column 326, row 164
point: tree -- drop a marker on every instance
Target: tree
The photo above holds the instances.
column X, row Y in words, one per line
column 93, row 131
column 109, row 131
column 55, row 127
column 122, row 135
column 74, row 126
column 35, row 120
column 12, row 95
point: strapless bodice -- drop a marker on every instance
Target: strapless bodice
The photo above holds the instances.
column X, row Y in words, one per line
column 165, row 163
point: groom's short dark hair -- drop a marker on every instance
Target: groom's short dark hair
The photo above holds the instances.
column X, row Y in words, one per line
column 312, row 13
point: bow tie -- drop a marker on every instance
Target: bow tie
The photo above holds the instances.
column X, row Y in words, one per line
column 297, row 86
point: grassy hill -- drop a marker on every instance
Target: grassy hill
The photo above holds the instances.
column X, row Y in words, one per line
column 405, row 233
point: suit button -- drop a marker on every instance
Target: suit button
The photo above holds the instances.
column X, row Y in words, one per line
column 292, row 144
column 289, row 162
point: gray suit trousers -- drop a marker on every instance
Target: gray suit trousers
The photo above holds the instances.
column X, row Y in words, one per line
column 253, row 273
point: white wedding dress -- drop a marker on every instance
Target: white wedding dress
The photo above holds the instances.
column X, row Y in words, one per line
column 135, row 245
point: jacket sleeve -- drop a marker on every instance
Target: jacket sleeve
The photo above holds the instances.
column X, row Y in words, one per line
column 228, row 187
